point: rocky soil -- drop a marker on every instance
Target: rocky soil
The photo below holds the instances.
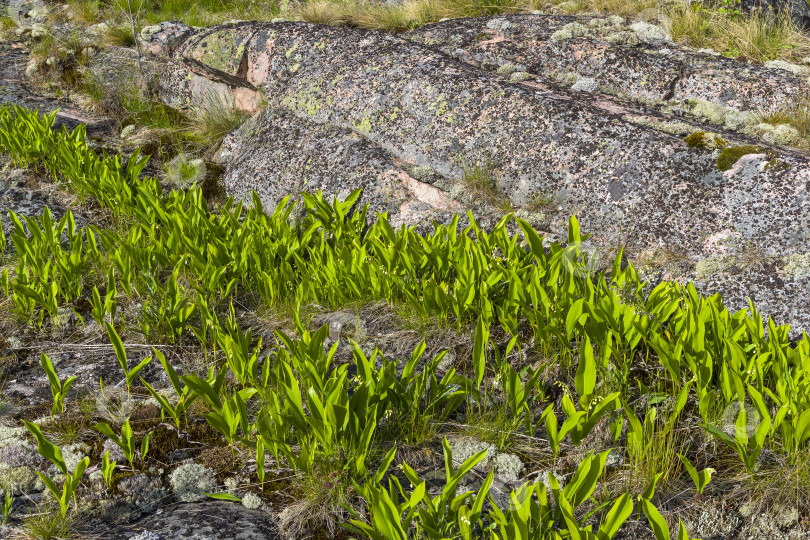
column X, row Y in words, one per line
column 15, row 89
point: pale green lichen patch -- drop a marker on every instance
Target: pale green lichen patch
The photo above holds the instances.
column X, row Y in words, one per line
column 679, row 129
column 519, row 76
column 13, row 435
column 720, row 115
column 802, row 71
column 506, row 69
column 712, row 265
column 797, row 264
column 569, row 31
column 782, row 134
column 364, row 125
column 222, row 50
column 20, row 480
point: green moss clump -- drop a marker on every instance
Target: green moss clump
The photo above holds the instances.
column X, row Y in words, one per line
column 696, row 139
column 702, row 139
column 729, row 156
column 776, row 165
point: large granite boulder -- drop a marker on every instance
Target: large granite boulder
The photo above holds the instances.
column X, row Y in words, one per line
column 699, row 187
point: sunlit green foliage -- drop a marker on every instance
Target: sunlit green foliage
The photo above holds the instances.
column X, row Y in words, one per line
column 188, row 263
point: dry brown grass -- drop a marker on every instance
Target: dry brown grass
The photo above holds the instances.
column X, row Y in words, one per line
column 397, row 18
column 750, row 37
column 625, row 8
column 753, row 37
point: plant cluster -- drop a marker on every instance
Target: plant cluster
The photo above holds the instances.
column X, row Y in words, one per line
column 639, row 357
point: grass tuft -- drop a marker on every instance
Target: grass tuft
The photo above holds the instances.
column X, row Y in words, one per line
column 321, row 505
column 86, row 11
column 47, row 524
column 480, row 174
column 120, row 36
column 795, row 114
column 211, row 122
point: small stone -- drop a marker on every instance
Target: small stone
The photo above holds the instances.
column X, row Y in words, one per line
column 613, row 461
column 446, row 362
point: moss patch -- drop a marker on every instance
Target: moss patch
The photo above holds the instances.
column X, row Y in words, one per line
column 729, row 156
column 703, row 139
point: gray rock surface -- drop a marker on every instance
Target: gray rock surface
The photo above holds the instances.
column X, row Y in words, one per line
column 612, row 161
column 280, row 154
column 198, row 521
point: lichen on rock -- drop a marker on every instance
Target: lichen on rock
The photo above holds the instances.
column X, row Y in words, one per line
column 797, row 265
column 509, row 467
column 20, row 480
column 712, row 265
column 464, row 448
column 650, row 34
column 586, row 84
column 252, row 501
column 570, row 31
column 192, row 481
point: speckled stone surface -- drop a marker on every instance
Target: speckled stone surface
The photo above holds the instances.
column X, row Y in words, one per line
column 612, row 161
column 281, row 154
column 645, row 72
column 210, row 520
